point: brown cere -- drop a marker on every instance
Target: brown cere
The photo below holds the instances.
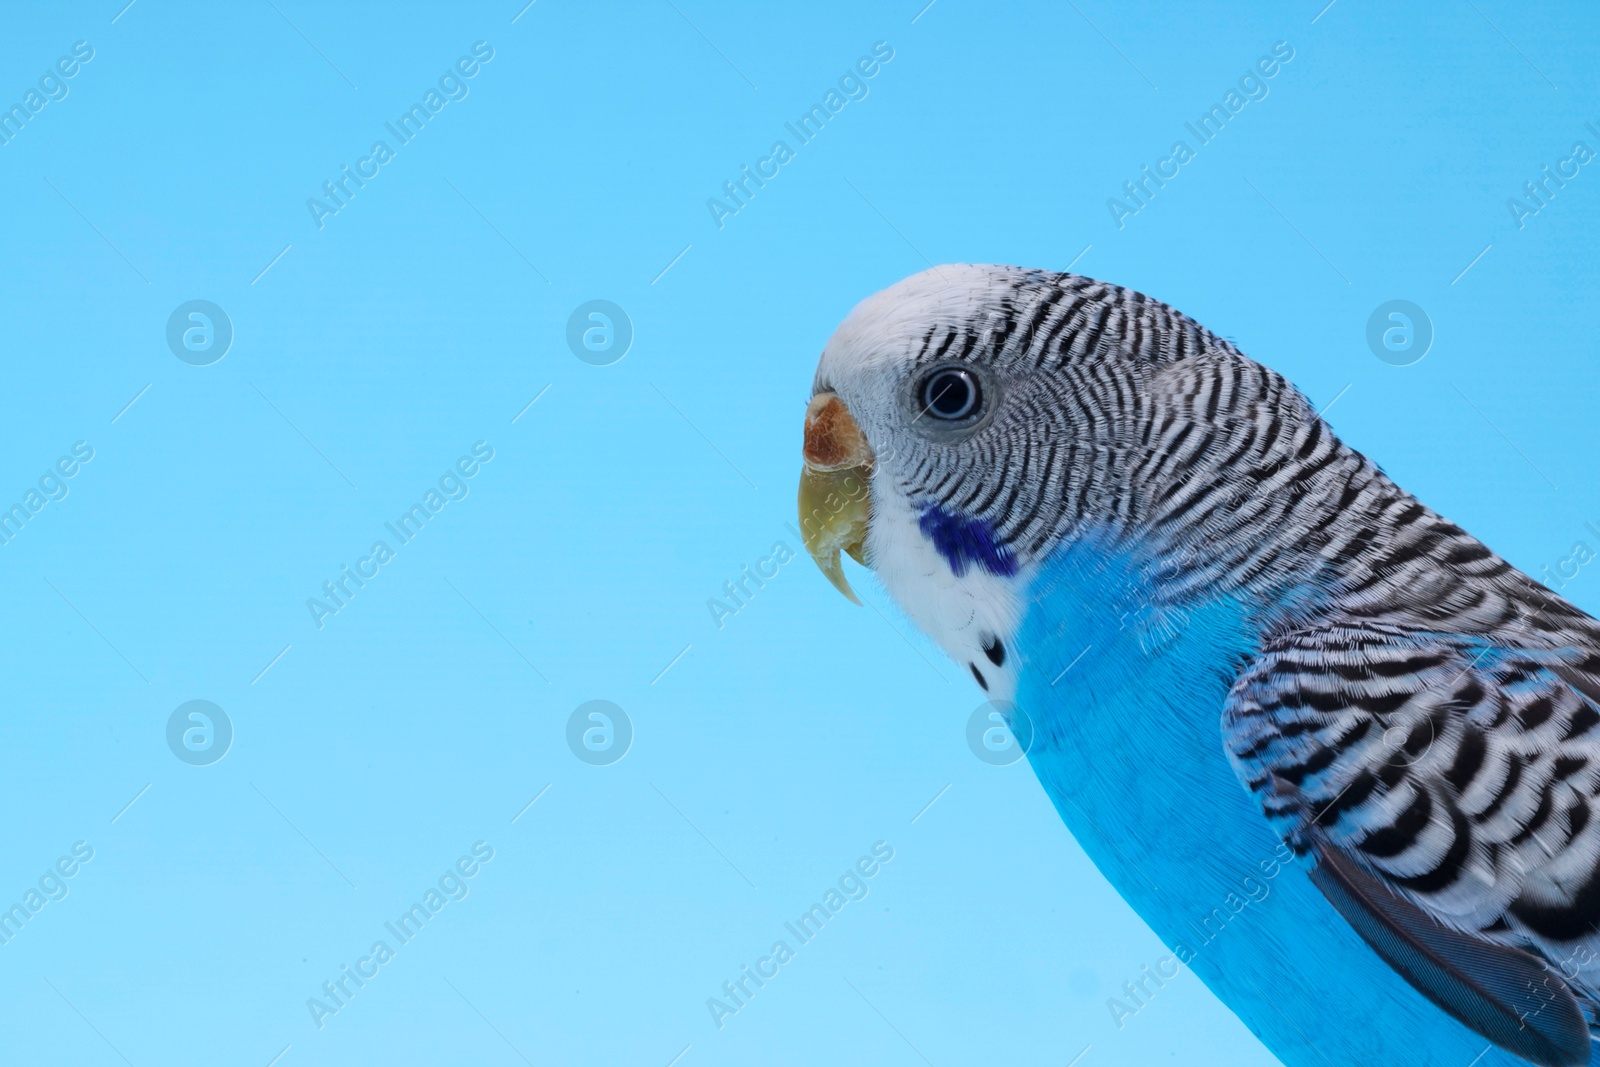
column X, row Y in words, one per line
column 833, row 441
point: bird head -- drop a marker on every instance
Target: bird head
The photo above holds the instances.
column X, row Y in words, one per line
column 966, row 420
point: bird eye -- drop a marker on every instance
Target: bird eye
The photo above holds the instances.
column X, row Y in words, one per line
column 951, row 394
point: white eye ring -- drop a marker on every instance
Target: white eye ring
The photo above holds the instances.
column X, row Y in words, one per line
column 950, row 394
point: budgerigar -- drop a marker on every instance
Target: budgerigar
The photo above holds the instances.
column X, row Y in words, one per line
column 1339, row 755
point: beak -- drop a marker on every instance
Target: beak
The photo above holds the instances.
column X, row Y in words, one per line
column 835, row 496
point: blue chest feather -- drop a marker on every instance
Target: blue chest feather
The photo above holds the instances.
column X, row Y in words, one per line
column 1128, row 745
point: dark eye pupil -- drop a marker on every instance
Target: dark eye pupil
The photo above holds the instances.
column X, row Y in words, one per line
column 950, row 394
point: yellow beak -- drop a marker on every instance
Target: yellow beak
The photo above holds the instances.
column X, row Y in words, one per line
column 835, row 488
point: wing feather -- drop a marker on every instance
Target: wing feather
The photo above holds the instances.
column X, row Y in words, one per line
column 1443, row 790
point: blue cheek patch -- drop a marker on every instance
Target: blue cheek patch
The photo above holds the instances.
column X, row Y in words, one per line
column 964, row 542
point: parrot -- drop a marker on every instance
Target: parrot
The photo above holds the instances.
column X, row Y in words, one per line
column 1341, row 757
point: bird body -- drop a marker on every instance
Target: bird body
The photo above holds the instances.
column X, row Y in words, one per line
column 1341, row 757
column 1145, row 787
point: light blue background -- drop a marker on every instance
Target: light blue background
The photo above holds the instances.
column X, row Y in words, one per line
column 778, row 748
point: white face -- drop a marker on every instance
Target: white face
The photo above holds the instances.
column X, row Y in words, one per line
column 903, row 409
column 974, row 617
